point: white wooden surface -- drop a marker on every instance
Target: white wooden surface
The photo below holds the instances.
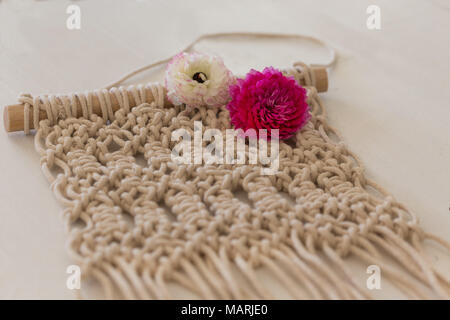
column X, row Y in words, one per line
column 389, row 97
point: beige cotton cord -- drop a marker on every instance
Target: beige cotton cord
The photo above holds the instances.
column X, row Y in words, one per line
column 138, row 221
column 250, row 35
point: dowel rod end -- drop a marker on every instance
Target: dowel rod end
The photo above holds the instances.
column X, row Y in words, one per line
column 321, row 79
column 6, row 119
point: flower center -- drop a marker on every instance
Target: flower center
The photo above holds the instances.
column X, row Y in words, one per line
column 200, row 77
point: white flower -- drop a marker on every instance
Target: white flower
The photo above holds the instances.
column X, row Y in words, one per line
column 197, row 79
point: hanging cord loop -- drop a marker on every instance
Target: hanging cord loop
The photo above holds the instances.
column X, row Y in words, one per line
column 31, row 110
column 259, row 35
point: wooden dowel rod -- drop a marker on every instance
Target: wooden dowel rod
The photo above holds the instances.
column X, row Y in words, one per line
column 321, row 75
column 13, row 115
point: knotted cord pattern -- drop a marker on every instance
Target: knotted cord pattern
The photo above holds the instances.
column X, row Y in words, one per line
column 138, row 221
column 59, row 107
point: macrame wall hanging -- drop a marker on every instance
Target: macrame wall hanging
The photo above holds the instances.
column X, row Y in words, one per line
column 138, row 225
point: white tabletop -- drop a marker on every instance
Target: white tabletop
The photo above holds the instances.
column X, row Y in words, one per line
column 389, row 98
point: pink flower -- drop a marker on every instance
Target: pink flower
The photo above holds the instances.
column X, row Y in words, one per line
column 268, row 100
